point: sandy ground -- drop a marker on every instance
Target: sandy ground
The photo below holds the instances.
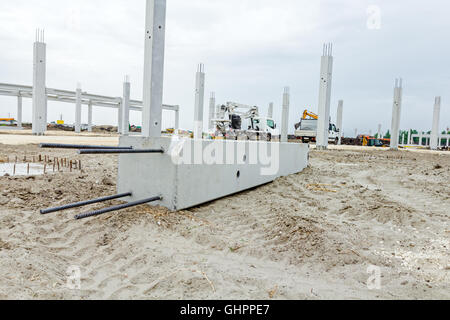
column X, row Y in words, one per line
column 307, row 236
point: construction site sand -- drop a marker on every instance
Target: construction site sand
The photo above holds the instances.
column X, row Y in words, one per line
column 307, row 236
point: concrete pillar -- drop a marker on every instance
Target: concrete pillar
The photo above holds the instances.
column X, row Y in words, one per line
column 126, row 107
column 212, row 111
column 420, row 138
column 339, row 120
column 90, row 116
column 19, row 111
column 380, row 134
column 177, row 120
column 155, row 35
column 199, row 102
column 396, row 114
column 78, row 109
column 285, row 116
column 270, row 112
column 120, row 116
column 39, row 88
column 435, row 129
column 326, row 76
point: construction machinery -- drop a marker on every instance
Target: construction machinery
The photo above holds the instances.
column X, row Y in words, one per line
column 238, row 121
column 8, row 122
column 306, row 129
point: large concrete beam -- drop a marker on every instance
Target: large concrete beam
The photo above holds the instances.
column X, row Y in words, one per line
column 78, row 102
column 39, row 124
column 199, row 102
column 193, row 172
column 126, row 107
column 285, row 115
column 326, row 76
column 396, row 114
column 435, row 141
column 339, row 120
column 155, row 35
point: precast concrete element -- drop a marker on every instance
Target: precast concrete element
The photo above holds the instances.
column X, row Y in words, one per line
column 193, row 172
column 39, row 123
column 120, row 117
column 90, row 116
column 434, row 143
column 126, row 107
column 155, row 34
column 199, row 102
column 396, row 114
column 339, row 120
column 212, row 111
column 326, row 77
column 78, row 102
column 380, row 134
column 19, row 111
column 285, row 115
column 270, row 111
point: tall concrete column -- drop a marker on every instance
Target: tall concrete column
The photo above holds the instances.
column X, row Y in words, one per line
column 339, row 120
column 326, row 76
column 19, row 111
column 212, row 111
column 120, row 116
column 90, row 116
column 126, row 107
column 396, row 114
column 285, row 116
column 435, row 129
column 420, row 138
column 177, row 120
column 155, row 35
column 199, row 102
column 39, row 89
column 380, row 134
column 78, row 103
column 270, row 111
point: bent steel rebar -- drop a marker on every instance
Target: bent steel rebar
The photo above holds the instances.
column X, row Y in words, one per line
column 117, row 208
column 85, row 203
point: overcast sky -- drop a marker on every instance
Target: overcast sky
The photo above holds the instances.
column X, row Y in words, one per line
column 251, row 50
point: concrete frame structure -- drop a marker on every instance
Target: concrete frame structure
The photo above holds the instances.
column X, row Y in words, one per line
column 339, row 120
column 434, row 143
column 196, row 179
column 39, row 87
column 396, row 114
column 199, row 101
column 88, row 99
column 326, row 78
column 285, row 116
column 212, row 112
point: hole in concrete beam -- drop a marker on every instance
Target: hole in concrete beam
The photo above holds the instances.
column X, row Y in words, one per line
column 238, row 174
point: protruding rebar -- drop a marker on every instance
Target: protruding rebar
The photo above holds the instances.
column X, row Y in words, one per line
column 117, row 208
column 119, row 151
column 85, row 203
column 74, row 146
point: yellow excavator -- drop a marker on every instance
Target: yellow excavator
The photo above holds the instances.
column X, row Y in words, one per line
column 309, row 114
